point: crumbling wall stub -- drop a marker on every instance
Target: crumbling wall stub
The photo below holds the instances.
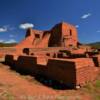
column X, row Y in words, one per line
column 96, row 60
column 9, row 59
column 62, row 71
column 26, row 63
column 85, row 71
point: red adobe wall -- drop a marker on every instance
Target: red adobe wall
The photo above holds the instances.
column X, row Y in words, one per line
column 62, row 71
column 96, row 60
column 6, row 50
column 69, row 33
column 85, row 70
column 61, row 35
column 72, row 72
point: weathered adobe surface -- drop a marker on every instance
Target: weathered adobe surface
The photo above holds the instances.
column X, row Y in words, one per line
column 72, row 72
column 14, row 86
column 46, row 59
column 61, row 35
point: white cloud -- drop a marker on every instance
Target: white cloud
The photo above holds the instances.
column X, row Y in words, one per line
column 86, row 15
column 3, row 29
column 6, row 28
column 77, row 26
column 26, row 25
column 10, row 41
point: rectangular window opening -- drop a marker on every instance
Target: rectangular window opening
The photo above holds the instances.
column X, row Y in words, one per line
column 37, row 35
column 70, row 32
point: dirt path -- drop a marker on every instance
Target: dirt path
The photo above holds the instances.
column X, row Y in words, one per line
column 15, row 87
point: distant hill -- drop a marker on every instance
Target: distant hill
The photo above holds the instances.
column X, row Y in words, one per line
column 7, row 44
column 95, row 45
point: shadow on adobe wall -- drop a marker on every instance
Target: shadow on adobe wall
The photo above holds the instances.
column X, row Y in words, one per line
column 26, row 65
column 52, row 83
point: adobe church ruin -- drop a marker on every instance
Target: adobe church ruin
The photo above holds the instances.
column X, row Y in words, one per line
column 61, row 35
column 56, row 54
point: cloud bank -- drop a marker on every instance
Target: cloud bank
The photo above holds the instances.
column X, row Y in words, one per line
column 3, row 29
column 86, row 15
column 10, row 41
column 26, row 25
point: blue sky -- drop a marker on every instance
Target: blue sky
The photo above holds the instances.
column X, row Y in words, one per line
column 17, row 15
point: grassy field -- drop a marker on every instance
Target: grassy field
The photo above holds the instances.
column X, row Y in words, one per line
column 95, row 45
column 93, row 89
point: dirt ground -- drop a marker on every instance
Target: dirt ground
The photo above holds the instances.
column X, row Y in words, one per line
column 14, row 86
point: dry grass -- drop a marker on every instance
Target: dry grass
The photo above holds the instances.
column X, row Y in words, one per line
column 93, row 89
